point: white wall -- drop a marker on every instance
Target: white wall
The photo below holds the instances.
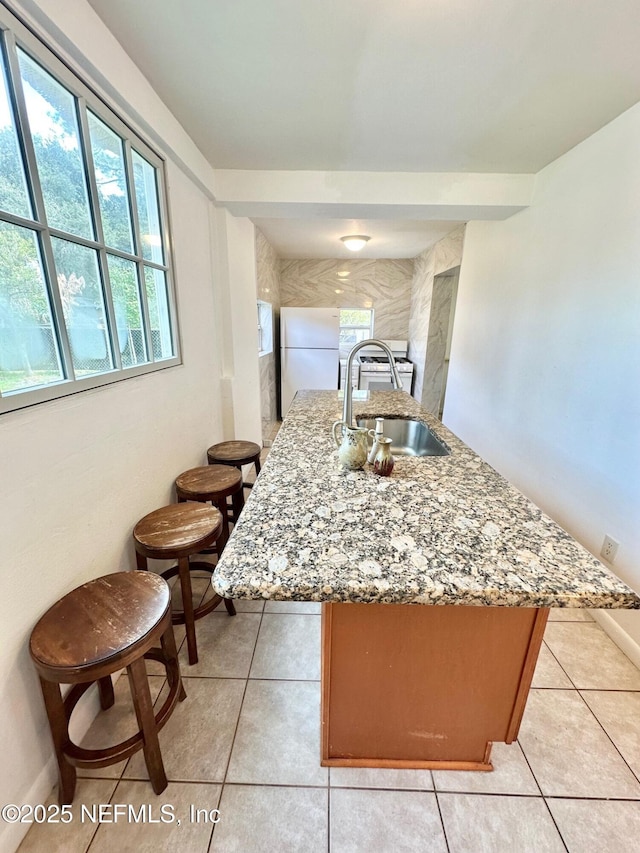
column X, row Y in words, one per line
column 241, row 258
column 77, row 473
column 544, row 379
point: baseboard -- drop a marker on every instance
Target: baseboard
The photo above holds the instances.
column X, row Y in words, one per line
column 11, row 834
column 619, row 636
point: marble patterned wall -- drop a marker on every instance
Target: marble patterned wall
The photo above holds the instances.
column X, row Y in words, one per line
column 384, row 285
column 401, row 291
column 443, row 256
column 445, row 289
column 268, row 290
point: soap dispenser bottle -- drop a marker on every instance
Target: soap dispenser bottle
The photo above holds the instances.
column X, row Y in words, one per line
column 376, row 434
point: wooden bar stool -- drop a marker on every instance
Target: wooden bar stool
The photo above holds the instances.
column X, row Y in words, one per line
column 102, row 626
column 237, row 454
column 213, row 483
column 178, row 532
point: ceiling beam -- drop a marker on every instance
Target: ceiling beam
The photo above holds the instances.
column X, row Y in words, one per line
column 458, row 196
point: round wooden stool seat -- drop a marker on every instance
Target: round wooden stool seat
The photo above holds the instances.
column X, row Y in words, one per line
column 214, row 483
column 236, row 453
column 102, row 626
column 178, row 532
column 208, row 483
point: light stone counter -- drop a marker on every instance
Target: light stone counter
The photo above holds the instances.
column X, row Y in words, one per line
column 440, row 530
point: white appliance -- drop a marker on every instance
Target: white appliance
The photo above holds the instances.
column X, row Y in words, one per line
column 375, row 373
column 309, row 351
column 355, row 374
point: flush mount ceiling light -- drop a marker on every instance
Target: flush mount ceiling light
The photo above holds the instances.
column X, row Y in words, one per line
column 355, row 242
column 343, row 274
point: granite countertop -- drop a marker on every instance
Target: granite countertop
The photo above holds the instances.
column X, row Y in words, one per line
column 440, row 530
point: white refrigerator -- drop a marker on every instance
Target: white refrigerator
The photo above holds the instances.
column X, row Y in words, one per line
column 309, row 351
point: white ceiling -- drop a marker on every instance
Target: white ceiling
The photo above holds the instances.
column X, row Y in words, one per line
column 372, row 85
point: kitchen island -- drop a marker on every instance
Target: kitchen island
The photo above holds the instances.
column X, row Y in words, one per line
column 431, row 685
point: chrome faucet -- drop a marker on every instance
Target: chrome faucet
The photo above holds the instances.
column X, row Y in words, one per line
column 347, row 412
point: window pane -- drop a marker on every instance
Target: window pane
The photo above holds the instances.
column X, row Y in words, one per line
column 350, row 337
column 144, row 176
column 108, row 163
column 355, row 326
column 355, row 317
column 13, row 188
column 28, row 346
column 126, row 304
column 54, row 130
column 265, row 327
column 156, row 285
column 83, row 305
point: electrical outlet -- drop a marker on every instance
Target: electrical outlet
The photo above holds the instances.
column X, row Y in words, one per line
column 609, row 549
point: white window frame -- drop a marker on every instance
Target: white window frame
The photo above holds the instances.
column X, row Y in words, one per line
column 14, row 34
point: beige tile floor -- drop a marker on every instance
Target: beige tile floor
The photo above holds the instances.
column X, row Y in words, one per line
column 246, row 742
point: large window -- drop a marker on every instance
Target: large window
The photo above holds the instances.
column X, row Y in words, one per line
column 85, row 278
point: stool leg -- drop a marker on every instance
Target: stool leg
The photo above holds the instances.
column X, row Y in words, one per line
column 237, row 501
column 105, row 686
column 257, row 464
column 146, row 721
column 168, row 643
column 244, row 485
column 228, row 603
column 59, row 725
column 224, row 533
column 141, row 562
column 187, row 608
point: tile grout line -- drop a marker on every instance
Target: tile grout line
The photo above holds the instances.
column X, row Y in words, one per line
column 444, row 831
column 98, row 827
column 594, row 799
column 542, row 796
column 550, row 650
column 272, row 785
column 513, row 795
column 210, row 841
column 235, row 731
column 527, row 762
column 95, row 831
column 613, row 743
column 328, row 810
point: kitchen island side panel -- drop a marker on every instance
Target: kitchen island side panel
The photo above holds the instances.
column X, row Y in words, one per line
column 424, row 686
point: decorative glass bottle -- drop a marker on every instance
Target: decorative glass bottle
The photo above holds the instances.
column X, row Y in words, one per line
column 383, row 460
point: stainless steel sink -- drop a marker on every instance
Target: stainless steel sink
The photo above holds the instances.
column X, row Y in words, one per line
column 409, row 437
